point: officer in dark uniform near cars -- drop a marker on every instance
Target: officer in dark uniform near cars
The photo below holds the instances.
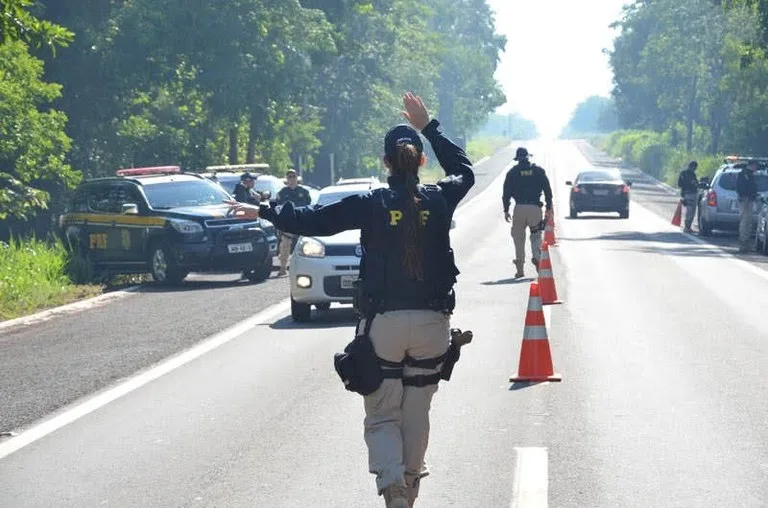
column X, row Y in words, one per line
column 689, row 191
column 406, row 294
column 525, row 182
column 244, row 192
column 746, row 188
column 299, row 196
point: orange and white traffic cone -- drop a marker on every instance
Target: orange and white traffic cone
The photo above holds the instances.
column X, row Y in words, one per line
column 676, row 219
column 535, row 356
column 546, row 278
column 549, row 232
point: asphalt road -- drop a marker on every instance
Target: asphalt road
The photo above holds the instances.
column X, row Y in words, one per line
column 661, row 342
column 48, row 365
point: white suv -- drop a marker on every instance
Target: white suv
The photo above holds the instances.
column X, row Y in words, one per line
column 324, row 268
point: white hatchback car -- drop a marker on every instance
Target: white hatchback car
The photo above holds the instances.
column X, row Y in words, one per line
column 323, row 269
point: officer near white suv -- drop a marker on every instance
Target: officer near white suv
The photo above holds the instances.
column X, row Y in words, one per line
column 689, row 191
column 746, row 188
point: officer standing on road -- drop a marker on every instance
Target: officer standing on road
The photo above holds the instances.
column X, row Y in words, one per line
column 689, row 191
column 407, row 275
column 299, row 196
column 525, row 182
column 746, row 188
column 244, row 192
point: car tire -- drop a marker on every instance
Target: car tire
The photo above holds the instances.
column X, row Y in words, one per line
column 574, row 214
column 624, row 214
column 300, row 312
column 705, row 229
column 324, row 307
column 261, row 273
column 163, row 266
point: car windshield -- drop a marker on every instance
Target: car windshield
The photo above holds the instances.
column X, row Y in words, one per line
column 728, row 180
column 184, row 193
column 228, row 182
column 599, row 176
column 331, row 197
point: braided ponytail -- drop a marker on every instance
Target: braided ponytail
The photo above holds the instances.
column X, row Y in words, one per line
column 406, row 165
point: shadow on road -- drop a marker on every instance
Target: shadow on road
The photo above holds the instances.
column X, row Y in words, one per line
column 521, row 385
column 195, row 285
column 508, row 281
column 332, row 318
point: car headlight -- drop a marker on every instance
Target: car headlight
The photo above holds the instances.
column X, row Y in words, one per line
column 186, row 226
column 311, row 248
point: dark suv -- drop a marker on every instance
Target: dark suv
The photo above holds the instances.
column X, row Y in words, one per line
column 166, row 222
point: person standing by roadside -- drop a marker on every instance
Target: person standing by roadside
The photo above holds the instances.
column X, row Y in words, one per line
column 525, row 182
column 689, row 191
column 746, row 188
column 299, row 196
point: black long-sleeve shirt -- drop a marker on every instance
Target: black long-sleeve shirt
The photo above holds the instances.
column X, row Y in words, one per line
column 354, row 212
column 746, row 187
column 688, row 182
column 525, row 182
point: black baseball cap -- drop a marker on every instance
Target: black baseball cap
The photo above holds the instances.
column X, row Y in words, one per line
column 521, row 154
column 402, row 135
column 246, row 176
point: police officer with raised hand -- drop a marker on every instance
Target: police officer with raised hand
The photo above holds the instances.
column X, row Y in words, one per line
column 406, row 294
column 525, row 182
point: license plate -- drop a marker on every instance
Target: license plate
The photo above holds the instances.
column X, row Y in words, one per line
column 347, row 281
column 600, row 192
column 734, row 205
column 236, row 248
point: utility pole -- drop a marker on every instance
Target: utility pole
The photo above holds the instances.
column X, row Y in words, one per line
column 333, row 172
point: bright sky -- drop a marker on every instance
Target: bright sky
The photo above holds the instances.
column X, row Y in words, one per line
column 554, row 59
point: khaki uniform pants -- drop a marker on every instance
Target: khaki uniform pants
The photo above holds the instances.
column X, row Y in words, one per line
column 746, row 221
column 689, row 202
column 396, row 416
column 526, row 216
column 284, row 251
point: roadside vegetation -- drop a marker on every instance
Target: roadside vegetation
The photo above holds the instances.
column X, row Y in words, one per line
column 689, row 84
column 35, row 275
column 93, row 86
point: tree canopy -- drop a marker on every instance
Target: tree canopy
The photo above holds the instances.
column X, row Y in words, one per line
column 196, row 83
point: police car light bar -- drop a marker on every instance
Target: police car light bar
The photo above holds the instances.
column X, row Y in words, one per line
column 155, row 170
column 734, row 158
column 233, row 168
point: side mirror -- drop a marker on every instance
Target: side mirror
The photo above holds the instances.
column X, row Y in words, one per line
column 130, row 209
column 569, row 183
column 266, row 195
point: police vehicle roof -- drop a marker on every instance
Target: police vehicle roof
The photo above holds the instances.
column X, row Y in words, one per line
column 149, row 179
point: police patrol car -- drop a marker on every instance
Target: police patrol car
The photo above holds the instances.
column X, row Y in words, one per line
column 164, row 221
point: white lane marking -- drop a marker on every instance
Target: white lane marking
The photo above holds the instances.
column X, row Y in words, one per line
column 547, row 317
column 92, row 404
column 531, row 488
column 70, row 308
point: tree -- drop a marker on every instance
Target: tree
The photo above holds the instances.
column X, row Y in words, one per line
column 33, row 144
column 594, row 115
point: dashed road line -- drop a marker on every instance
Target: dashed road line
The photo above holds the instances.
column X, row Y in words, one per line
column 531, row 489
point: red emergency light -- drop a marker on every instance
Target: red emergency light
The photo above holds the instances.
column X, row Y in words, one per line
column 154, row 170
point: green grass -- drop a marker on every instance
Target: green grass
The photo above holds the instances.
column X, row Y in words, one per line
column 34, row 275
column 477, row 148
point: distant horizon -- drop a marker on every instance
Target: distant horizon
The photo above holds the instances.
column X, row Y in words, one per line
column 562, row 71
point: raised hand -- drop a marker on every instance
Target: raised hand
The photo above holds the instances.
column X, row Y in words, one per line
column 415, row 111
